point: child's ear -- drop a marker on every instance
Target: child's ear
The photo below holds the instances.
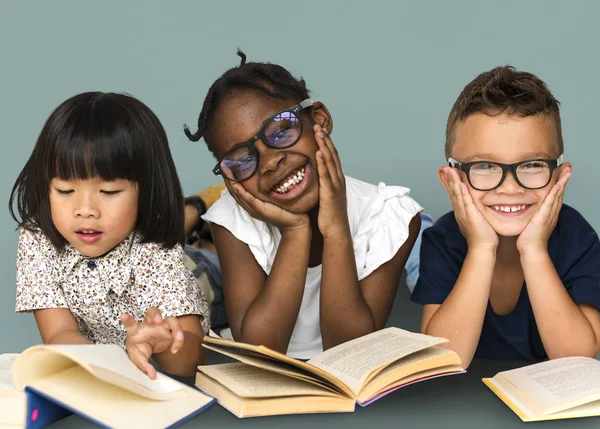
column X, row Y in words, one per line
column 442, row 177
column 321, row 116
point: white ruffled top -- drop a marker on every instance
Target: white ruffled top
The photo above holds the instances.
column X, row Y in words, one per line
column 379, row 217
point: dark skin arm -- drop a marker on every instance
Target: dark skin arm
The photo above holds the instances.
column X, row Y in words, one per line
column 263, row 309
column 349, row 308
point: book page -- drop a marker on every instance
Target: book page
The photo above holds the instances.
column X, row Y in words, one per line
column 114, row 407
column 281, row 368
column 353, row 362
column 430, row 359
column 7, row 361
column 274, row 406
column 554, row 385
column 230, row 348
column 109, row 363
column 251, row 382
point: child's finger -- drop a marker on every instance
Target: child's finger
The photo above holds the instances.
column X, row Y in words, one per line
column 465, row 201
column 558, row 202
column 328, row 158
column 153, row 316
column 244, row 198
column 240, row 196
column 226, row 170
column 324, row 177
column 564, row 177
column 457, row 200
column 156, row 314
column 546, row 209
column 334, row 152
column 141, row 362
column 177, row 333
column 131, row 326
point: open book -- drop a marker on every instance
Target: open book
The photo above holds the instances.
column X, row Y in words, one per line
column 266, row 382
column 97, row 382
column 12, row 401
column 556, row 389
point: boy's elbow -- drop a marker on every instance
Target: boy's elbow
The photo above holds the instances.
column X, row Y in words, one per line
column 465, row 361
column 591, row 352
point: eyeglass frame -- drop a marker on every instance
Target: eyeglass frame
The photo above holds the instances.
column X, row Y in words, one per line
column 466, row 167
column 296, row 109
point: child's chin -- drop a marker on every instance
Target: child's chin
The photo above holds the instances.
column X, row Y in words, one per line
column 509, row 230
column 303, row 205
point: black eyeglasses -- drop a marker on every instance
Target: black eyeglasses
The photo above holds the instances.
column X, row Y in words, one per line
column 280, row 131
column 487, row 175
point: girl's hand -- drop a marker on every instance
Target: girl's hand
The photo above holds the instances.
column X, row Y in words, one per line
column 473, row 225
column 537, row 232
column 153, row 335
column 333, row 214
column 268, row 212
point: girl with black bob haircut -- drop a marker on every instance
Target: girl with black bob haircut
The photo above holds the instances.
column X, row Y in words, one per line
column 100, row 257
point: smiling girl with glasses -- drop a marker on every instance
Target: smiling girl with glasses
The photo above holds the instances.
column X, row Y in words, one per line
column 310, row 258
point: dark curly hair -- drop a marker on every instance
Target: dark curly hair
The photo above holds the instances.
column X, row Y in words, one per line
column 504, row 90
column 269, row 79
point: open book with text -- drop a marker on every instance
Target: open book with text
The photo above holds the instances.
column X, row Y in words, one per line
column 556, row 389
column 97, row 382
column 12, row 401
column 265, row 382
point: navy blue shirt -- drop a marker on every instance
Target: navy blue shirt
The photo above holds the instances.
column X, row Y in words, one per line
column 574, row 249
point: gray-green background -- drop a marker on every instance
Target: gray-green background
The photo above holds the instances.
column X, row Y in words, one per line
column 389, row 72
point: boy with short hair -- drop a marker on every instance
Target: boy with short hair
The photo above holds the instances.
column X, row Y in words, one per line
column 511, row 272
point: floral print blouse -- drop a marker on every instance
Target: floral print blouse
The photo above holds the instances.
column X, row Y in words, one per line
column 129, row 279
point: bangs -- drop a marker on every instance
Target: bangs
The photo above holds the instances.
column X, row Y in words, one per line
column 106, row 136
column 101, row 141
column 98, row 158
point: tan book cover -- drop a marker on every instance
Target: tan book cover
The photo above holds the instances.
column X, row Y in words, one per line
column 265, row 382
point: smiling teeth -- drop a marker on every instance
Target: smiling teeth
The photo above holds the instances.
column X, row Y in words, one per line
column 509, row 209
column 292, row 180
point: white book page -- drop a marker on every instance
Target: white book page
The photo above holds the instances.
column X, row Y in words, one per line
column 252, row 382
column 555, row 385
column 352, row 362
column 7, row 361
column 112, row 358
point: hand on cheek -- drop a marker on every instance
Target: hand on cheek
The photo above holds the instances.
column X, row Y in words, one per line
column 475, row 228
column 333, row 215
column 534, row 237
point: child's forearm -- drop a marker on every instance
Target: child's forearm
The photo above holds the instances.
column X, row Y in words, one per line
column 185, row 362
column 563, row 327
column 460, row 318
column 344, row 313
column 271, row 318
column 67, row 336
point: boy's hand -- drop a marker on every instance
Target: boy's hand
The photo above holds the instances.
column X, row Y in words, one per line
column 333, row 214
column 473, row 225
column 534, row 237
column 268, row 212
column 153, row 335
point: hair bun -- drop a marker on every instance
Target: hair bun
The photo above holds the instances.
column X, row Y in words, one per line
column 242, row 56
